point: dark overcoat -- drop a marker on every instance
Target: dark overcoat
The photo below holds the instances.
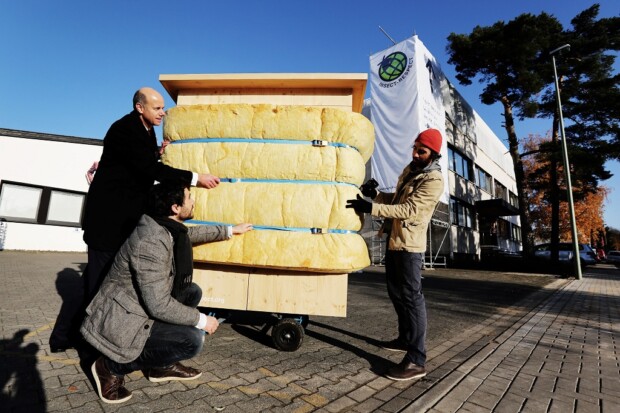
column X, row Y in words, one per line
column 128, row 167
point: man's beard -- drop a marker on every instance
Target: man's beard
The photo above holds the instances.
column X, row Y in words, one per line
column 420, row 164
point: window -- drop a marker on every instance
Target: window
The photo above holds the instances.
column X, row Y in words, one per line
column 503, row 228
column 460, row 164
column 20, row 203
column 484, row 180
column 516, row 233
column 65, row 208
column 461, row 213
column 40, row 205
column 500, row 191
column 512, row 198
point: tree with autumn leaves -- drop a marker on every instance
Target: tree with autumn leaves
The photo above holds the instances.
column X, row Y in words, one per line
column 512, row 60
column 588, row 201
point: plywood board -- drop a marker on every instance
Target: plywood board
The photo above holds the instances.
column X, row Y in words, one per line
column 222, row 287
column 294, row 293
column 252, row 85
column 340, row 99
column 275, row 291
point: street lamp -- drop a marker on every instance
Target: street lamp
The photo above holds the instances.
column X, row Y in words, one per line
column 569, row 188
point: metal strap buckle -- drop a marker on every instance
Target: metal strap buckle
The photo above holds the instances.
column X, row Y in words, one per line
column 319, row 142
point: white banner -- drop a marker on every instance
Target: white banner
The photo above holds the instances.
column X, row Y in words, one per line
column 405, row 93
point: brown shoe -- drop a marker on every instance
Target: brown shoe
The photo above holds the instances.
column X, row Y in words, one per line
column 110, row 387
column 176, row 371
column 405, row 370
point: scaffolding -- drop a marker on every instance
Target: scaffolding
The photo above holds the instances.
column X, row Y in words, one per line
column 439, row 224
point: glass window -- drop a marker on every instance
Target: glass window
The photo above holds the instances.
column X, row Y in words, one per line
column 484, row 180
column 454, row 210
column 42, row 205
column 461, row 214
column 503, row 228
column 19, row 202
column 514, row 201
column 65, row 207
column 460, row 164
column 500, row 191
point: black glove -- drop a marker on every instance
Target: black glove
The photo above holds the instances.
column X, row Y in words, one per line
column 359, row 205
column 369, row 188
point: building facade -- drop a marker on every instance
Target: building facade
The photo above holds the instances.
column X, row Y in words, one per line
column 43, row 189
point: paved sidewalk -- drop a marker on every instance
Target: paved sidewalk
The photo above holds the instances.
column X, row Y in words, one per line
column 553, row 351
column 563, row 356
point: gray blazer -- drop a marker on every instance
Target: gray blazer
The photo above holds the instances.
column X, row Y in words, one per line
column 136, row 291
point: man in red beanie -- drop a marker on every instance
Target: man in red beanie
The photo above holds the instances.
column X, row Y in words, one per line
column 407, row 213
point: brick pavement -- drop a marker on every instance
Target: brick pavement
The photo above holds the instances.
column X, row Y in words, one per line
column 555, row 350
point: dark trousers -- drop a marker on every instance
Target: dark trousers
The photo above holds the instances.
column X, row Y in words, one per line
column 168, row 343
column 404, row 286
column 67, row 328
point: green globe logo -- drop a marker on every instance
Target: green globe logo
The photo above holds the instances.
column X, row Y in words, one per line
column 392, row 66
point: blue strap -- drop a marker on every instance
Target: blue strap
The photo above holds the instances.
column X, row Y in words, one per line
column 284, row 181
column 276, row 228
column 314, row 142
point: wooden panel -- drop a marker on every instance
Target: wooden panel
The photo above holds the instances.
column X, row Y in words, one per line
column 298, row 293
column 274, row 291
column 341, row 99
column 284, row 83
column 222, row 286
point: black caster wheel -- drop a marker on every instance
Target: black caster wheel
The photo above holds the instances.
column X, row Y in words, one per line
column 287, row 335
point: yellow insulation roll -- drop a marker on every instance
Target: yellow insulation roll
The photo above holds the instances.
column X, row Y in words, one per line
column 324, row 253
column 276, row 178
column 268, row 160
column 270, row 122
column 278, row 204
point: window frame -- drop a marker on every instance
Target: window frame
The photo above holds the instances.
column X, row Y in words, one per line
column 44, row 203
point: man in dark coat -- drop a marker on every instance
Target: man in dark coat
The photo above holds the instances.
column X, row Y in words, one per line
column 128, row 168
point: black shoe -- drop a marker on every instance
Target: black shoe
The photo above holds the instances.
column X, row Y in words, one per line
column 405, row 370
column 393, row 345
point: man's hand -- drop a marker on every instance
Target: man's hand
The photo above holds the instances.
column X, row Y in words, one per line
column 369, row 188
column 359, row 205
column 162, row 148
column 212, row 325
column 90, row 174
column 207, row 181
column 241, row 228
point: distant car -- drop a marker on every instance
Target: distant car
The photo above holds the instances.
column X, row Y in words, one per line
column 613, row 257
column 586, row 253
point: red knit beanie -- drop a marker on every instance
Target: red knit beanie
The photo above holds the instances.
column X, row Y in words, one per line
column 431, row 138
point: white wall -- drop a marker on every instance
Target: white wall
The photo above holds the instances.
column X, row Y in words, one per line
column 49, row 162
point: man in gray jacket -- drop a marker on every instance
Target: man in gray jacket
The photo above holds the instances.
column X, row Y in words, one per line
column 144, row 316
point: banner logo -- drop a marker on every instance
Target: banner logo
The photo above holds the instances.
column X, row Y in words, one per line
column 392, row 66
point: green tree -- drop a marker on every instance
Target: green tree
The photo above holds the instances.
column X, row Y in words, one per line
column 508, row 59
column 512, row 60
column 591, row 106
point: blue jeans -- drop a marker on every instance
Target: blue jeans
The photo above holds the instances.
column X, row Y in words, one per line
column 404, row 286
column 168, row 343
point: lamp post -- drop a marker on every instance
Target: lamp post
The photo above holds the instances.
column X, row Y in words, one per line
column 569, row 188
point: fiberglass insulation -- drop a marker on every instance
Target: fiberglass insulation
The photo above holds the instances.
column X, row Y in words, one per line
column 276, row 178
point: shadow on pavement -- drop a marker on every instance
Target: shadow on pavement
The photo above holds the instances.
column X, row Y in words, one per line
column 21, row 387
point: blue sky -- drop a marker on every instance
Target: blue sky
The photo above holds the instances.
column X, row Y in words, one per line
column 71, row 67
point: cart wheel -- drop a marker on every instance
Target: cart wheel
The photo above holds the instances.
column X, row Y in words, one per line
column 287, row 335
